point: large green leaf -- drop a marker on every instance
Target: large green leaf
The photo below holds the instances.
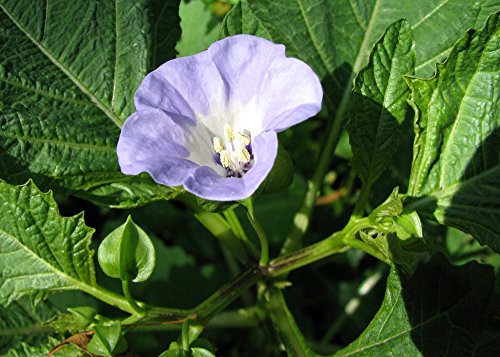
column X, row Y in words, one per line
column 456, row 167
column 24, row 322
column 440, row 311
column 336, row 36
column 68, row 72
column 378, row 105
column 41, row 251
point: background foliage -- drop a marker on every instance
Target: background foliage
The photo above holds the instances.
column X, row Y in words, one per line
column 411, row 101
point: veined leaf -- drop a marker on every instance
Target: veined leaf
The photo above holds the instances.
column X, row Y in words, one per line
column 456, row 167
column 336, row 36
column 378, row 105
column 68, row 72
column 42, row 349
column 439, row 311
column 241, row 19
column 23, row 321
column 41, row 251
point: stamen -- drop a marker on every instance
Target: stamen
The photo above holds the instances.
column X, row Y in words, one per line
column 218, row 145
column 225, row 158
column 244, row 156
column 228, row 132
column 245, row 139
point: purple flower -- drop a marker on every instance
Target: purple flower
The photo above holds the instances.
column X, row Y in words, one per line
column 208, row 122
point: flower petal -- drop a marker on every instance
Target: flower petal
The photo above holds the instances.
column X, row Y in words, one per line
column 183, row 87
column 204, row 182
column 243, row 62
column 150, row 141
column 291, row 93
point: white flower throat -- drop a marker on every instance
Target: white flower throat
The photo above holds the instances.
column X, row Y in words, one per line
column 234, row 153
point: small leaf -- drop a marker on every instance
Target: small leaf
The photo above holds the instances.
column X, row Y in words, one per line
column 107, row 341
column 127, row 253
column 201, row 352
column 84, row 316
column 439, row 311
column 408, row 225
column 391, row 207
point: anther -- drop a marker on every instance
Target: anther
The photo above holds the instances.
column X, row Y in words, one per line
column 228, row 132
column 245, row 139
column 244, row 156
column 218, row 145
column 225, row 158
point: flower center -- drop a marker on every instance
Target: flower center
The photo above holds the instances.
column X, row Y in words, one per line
column 234, row 153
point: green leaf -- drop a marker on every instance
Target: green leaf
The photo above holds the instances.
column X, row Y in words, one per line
column 68, row 72
column 335, row 36
column 129, row 192
column 408, row 225
column 42, row 349
column 41, row 250
column 456, row 169
column 107, row 341
column 127, row 253
column 378, row 105
column 199, row 28
column 201, row 352
column 440, row 311
column 281, row 175
column 241, row 19
column 391, row 207
column 24, row 322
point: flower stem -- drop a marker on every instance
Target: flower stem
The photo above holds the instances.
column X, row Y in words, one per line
column 227, row 294
column 185, row 336
column 219, row 227
column 285, row 324
column 264, row 244
column 303, row 215
column 237, row 228
column 126, row 291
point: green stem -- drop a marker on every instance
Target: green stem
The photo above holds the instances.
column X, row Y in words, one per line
column 336, row 243
column 126, row 291
column 185, row 336
column 264, row 244
column 227, row 294
column 220, row 229
column 237, row 228
column 302, row 217
column 359, row 207
column 285, row 324
column 107, row 296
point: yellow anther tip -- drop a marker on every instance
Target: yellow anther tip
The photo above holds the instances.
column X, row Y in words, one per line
column 244, row 156
column 225, row 158
column 245, row 139
column 228, row 132
column 218, row 145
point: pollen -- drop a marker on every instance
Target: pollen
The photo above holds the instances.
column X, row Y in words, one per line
column 218, row 145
